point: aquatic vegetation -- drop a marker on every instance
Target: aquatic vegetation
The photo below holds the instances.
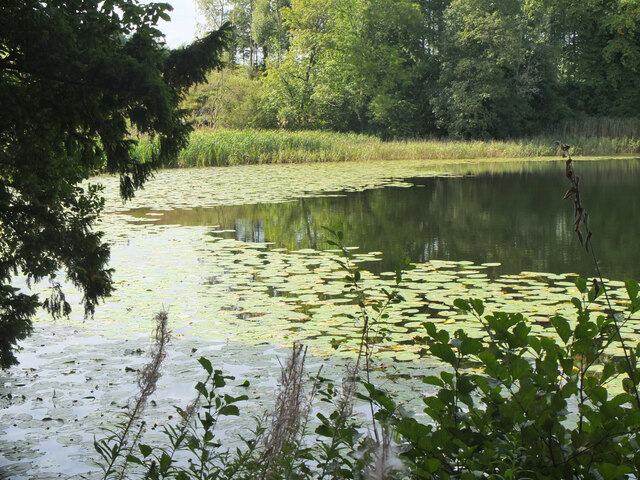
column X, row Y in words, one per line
column 511, row 403
column 244, row 147
column 511, row 207
column 508, row 402
column 241, row 304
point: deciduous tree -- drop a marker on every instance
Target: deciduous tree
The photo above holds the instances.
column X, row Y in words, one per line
column 496, row 69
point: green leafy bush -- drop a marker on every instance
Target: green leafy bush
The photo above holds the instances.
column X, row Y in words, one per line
column 515, row 405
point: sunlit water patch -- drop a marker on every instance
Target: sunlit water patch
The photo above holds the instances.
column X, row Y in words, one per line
column 241, row 298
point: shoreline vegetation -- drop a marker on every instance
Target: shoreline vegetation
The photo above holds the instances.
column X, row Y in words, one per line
column 227, row 147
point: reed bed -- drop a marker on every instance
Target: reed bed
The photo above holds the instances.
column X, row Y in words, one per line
column 600, row 127
column 241, row 147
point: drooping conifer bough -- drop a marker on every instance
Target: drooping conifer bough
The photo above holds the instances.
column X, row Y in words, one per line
column 77, row 78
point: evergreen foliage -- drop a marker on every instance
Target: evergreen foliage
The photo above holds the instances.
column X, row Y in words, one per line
column 76, row 77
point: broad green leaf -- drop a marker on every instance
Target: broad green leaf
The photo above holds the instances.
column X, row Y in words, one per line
column 569, row 389
column 433, row 380
column 465, row 384
column 621, row 399
column 563, row 329
column 219, row 380
column 231, row 399
column 581, row 284
column 471, row 346
column 577, row 303
column 443, row 352
column 608, row 370
column 230, row 410
column 447, row 377
column 493, row 367
column 478, row 305
column 202, row 389
column 134, row 459
column 633, row 288
column 567, row 365
column 206, row 364
column 325, row 431
column 610, row 470
column 165, row 462
column 431, row 329
column 519, row 368
column 598, row 394
column 461, row 304
column 521, row 331
column 145, row 450
column 432, row 465
column 434, row 403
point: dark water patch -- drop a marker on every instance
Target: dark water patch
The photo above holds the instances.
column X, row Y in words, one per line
column 515, row 218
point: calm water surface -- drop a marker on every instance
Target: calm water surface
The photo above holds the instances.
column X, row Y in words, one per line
column 516, row 218
column 239, row 259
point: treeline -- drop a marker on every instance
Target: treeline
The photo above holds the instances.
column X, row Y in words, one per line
column 417, row 68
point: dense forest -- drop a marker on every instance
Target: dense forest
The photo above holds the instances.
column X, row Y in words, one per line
column 417, row 68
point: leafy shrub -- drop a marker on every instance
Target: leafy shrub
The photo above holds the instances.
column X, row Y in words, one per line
column 532, row 407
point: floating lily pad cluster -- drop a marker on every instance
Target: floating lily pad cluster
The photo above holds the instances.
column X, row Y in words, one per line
column 241, row 304
column 210, row 187
column 222, row 288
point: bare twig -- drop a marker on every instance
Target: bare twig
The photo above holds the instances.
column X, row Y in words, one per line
column 581, row 222
column 147, row 382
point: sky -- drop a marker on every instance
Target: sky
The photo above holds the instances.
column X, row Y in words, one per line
column 183, row 27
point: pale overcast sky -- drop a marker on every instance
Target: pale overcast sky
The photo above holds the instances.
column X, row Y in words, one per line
column 183, row 27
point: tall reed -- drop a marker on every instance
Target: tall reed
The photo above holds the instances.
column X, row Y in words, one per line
column 598, row 127
column 241, row 147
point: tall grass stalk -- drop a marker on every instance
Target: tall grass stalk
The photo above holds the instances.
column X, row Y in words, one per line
column 241, row 147
column 116, row 448
column 598, row 127
column 384, row 461
column 344, row 402
column 286, row 421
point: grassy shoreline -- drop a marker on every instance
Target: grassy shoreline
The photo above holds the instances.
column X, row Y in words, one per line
column 245, row 147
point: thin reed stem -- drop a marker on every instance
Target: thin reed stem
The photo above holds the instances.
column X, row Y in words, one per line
column 581, row 222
